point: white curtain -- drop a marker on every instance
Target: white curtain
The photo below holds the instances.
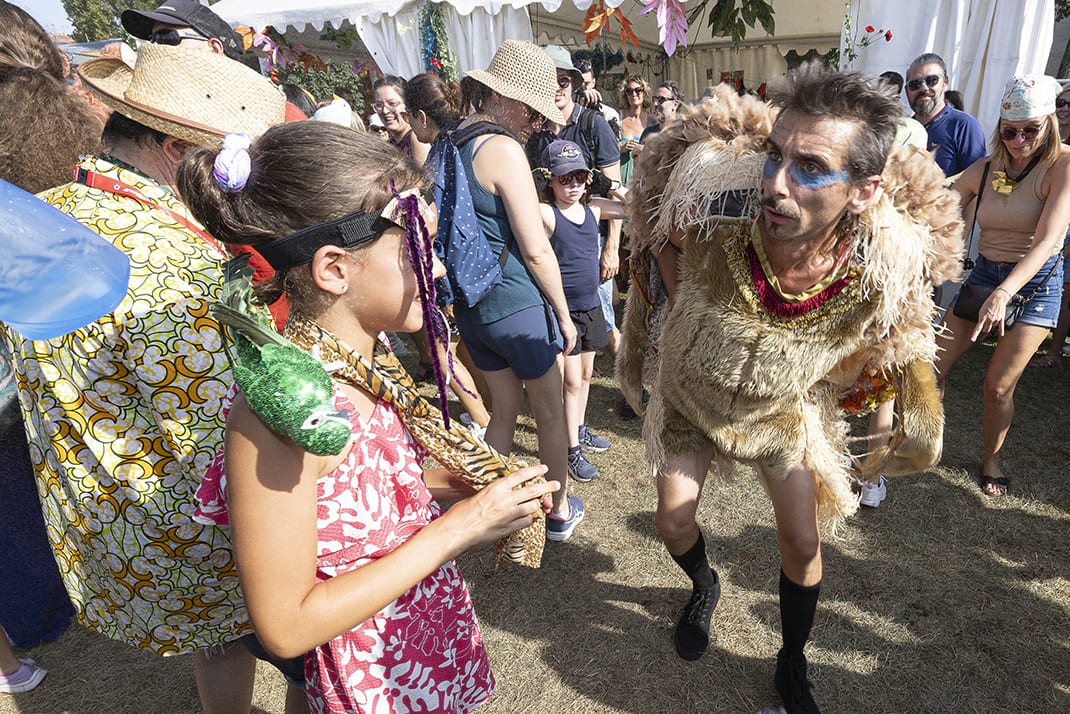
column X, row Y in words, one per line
column 394, row 40
column 983, row 42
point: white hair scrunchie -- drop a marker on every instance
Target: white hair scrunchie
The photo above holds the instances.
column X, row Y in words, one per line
column 232, row 165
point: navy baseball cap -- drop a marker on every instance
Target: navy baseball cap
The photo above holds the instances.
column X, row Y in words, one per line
column 185, row 13
column 563, row 157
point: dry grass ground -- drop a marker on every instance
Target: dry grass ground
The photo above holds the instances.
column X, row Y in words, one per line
column 942, row 600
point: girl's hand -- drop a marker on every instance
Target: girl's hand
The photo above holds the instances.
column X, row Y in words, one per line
column 991, row 314
column 633, row 146
column 502, row 508
column 568, row 332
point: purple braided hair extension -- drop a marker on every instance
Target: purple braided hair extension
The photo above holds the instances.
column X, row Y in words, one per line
column 419, row 251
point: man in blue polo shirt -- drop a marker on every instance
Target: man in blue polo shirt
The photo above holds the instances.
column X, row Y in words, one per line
column 956, row 136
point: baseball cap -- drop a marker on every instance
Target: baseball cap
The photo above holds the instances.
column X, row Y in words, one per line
column 563, row 157
column 186, row 13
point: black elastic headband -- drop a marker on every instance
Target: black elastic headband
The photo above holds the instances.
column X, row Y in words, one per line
column 348, row 231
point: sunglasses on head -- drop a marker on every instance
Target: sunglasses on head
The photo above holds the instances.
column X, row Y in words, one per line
column 564, row 80
column 634, row 91
column 172, row 37
column 930, row 81
column 1060, row 103
column 571, row 178
column 1009, row 133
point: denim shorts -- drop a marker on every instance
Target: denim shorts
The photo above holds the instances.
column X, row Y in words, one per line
column 1043, row 309
column 591, row 333
column 526, row 342
column 605, row 297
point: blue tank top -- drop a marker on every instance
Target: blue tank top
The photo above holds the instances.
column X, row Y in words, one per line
column 518, row 290
column 576, row 246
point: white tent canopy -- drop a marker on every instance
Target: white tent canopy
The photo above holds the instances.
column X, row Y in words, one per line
column 390, row 30
column 983, row 42
column 281, row 14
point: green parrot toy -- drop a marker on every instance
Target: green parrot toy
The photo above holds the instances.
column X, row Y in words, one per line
column 288, row 388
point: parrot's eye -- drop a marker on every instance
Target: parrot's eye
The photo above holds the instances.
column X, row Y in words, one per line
column 313, row 421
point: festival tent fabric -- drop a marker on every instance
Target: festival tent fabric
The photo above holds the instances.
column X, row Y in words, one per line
column 983, row 41
column 476, row 27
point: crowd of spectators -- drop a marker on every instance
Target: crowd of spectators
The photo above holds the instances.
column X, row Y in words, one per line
column 508, row 280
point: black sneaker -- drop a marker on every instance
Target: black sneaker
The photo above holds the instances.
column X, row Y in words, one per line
column 692, row 635
column 793, row 686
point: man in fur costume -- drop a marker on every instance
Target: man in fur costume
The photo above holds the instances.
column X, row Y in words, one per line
column 798, row 259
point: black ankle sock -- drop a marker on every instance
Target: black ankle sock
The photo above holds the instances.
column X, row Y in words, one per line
column 696, row 566
column 572, row 450
column 798, row 603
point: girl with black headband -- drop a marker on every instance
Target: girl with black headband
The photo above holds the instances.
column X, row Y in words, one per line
column 349, row 558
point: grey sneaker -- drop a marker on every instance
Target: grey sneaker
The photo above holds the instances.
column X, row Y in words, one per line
column 560, row 529
column 580, row 468
column 592, row 442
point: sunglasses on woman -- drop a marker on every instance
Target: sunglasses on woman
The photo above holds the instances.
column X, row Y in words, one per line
column 574, row 177
column 173, row 37
column 564, row 80
column 634, row 91
column 1009, row 133
column 930, row 81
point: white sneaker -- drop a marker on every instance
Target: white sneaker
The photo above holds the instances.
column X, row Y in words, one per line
column 873, row 495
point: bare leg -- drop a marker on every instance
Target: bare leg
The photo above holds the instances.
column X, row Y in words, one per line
column 951, row 344
column 574, row 396
column 679, row 489
column 880, row 423
column 507, row 391
column 478, row 378
column 1008, row 362
column 795, row 507
column 461, row 381
column 8, row 661
column 225, row 680
column 548, row 410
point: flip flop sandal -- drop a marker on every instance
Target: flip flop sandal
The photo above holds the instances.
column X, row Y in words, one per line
column 1002, row 481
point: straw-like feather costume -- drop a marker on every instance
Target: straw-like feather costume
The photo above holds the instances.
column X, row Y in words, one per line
column 763, row 384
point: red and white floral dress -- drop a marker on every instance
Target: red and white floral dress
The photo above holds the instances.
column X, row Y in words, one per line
column 424, row 651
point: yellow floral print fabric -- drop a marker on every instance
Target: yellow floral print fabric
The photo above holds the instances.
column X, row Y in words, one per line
column 123, row 417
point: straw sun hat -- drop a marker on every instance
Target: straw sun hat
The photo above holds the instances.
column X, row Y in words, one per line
column 522, row 71
column 187, row 93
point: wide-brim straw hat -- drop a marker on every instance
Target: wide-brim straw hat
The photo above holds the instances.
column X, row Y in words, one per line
column 522, row 71
column 187, row 93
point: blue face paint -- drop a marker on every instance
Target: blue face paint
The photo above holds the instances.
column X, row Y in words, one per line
column 809, row 180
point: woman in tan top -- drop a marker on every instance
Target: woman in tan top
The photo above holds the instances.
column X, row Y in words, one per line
column 1023, row 215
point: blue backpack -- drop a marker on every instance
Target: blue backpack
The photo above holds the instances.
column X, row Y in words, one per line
column 472, row 267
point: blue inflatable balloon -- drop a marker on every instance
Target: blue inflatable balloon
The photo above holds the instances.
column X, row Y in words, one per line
column 56, row 275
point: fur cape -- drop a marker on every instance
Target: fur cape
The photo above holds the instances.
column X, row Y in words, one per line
column 765, row 389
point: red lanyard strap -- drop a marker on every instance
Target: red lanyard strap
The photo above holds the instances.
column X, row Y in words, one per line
column 92, row 179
